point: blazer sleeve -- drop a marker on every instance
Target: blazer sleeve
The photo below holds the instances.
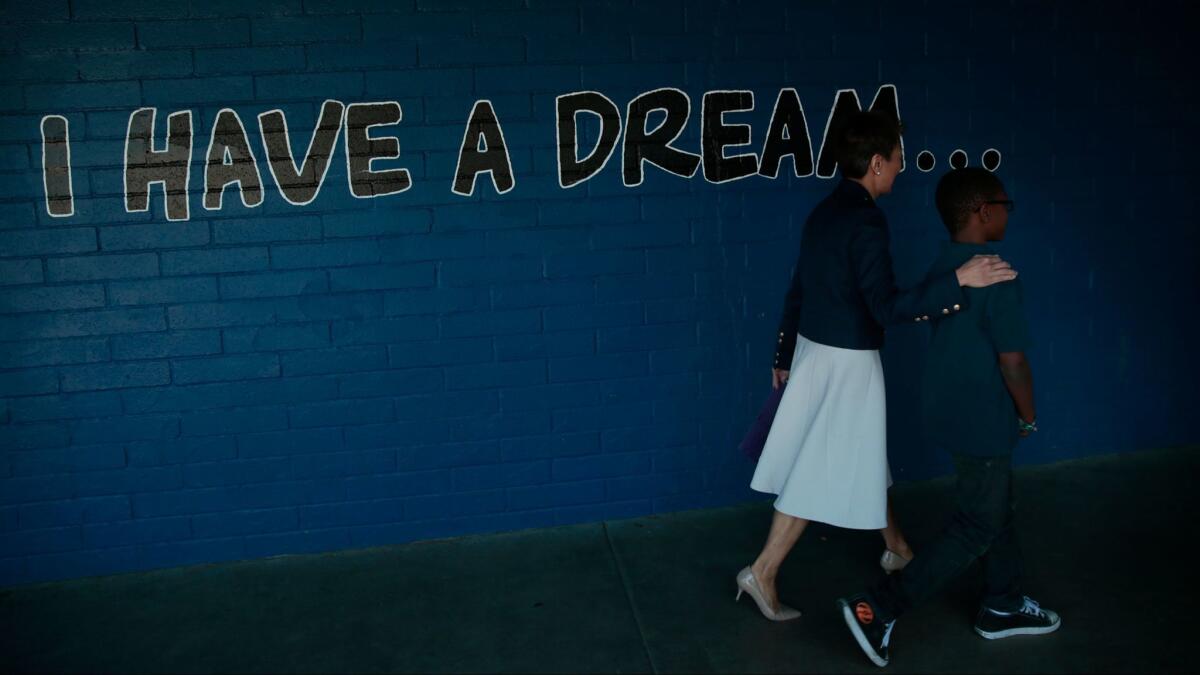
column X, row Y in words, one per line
column 785, row 344
column 888, row 304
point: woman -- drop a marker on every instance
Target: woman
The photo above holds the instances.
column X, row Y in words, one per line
column 826, row 454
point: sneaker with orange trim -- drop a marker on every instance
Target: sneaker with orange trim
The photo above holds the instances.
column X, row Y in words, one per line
column 871, row 632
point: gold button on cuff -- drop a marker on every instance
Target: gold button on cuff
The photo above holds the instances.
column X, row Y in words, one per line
column 925, row 318
column 945, row 311
column 957, row 307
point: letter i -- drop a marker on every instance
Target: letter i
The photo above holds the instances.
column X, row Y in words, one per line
column 56, row 166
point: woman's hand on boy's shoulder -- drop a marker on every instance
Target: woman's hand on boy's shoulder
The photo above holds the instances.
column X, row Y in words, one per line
column 984, row 270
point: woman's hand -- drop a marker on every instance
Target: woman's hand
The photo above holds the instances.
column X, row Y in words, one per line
column 985, row 270
column 778, row 378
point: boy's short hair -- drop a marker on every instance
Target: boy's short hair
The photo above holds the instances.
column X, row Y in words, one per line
column 861, row 135
column 962, row 191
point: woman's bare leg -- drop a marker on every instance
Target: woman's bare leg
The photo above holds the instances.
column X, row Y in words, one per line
column 893, row 538
column 785, row 530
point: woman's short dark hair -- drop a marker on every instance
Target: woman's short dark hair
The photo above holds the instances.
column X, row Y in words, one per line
column 962, row 191
column 861, row 136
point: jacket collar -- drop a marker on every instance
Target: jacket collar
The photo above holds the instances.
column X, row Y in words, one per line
column 852, row 191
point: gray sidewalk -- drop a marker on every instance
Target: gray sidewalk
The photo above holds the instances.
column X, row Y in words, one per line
column 1104, row 539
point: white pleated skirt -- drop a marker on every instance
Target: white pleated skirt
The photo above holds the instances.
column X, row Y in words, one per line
column 826, row 454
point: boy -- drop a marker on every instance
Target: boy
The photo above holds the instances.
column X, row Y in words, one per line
column 977, row 400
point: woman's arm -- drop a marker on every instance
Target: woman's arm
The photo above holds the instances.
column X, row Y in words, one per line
column 872, row 261
column 890, row 305
column 785, row 342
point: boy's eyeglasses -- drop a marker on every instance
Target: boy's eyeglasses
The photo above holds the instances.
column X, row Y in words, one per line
column 1009, row 204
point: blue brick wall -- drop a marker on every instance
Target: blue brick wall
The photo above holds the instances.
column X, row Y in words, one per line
column 356, row 372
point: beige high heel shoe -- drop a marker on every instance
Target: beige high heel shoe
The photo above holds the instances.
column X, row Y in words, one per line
column 891, row 561
column 748, row 584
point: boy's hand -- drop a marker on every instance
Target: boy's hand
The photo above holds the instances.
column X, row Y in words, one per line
column 985, row 270
column 778, row 378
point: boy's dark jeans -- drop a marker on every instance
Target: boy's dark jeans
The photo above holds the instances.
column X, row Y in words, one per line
column 982, row 527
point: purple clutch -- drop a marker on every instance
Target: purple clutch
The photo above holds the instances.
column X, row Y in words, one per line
column 756, row 437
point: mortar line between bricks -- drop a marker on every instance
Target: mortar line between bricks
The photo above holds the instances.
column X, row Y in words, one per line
column 637, row 617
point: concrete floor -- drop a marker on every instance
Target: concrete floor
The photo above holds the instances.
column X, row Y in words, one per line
column 1104, row 540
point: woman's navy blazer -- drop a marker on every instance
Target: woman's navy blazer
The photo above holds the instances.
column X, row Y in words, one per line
column 843, row 291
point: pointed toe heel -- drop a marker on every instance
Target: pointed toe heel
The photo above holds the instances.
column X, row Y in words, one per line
column 747, row 583
column 891, row 561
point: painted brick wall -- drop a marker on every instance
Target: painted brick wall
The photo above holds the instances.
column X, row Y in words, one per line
column 357, row 372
